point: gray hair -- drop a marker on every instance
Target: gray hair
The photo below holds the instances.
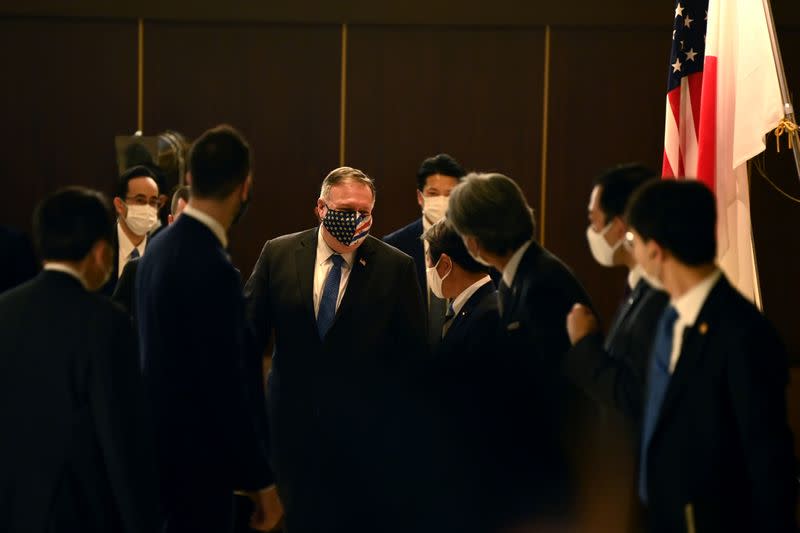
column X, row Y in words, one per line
column 493, row 209
column 342, row 174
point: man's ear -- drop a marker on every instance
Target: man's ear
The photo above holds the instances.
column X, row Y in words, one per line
column 420, row 199
column 119, row 206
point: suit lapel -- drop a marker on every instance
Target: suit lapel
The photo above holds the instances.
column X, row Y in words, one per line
column 631, row 302
column 520, row 284
column 357, row 281
column 305, row 257
column 470, row 305
column 692, row 349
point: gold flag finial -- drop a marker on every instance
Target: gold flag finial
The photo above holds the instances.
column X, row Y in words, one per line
column 789, row 128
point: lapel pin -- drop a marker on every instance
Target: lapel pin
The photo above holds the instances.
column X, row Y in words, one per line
column 703, row 328
column 363, row 262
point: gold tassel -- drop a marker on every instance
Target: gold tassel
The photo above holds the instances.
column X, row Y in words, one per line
column 790, row 129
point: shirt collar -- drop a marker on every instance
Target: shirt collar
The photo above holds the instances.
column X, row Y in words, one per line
column 510, row 271
column 635, row 276
column 210, row 222
column 689, row 305
column 66, row 269
column 466, row 294
column 125, row 244
column 324, row 252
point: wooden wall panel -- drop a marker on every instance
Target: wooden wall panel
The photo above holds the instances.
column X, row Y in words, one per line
column 279, row 85
column 413, row 92
column 607, row 94
column 62, row 100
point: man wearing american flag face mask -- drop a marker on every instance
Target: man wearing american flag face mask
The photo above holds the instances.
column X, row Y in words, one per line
column 351, row 435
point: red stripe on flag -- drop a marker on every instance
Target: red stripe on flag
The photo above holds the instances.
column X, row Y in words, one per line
column 695, row 82
column 707, row 125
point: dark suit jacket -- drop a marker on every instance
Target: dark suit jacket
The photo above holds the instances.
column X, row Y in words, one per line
column 207, row 394
column 544, row 420
column 721, row 442
column 125, row 290
column 408, row 240
column 351, row 434
column 19, row 263
column 613, row 371
column 76, row 452
column 466, row 384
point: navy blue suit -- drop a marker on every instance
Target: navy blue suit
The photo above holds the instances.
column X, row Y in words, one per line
column 206, row 386
column 466, row 382
column 545, row 416
column 76, row 451
column 408, row 240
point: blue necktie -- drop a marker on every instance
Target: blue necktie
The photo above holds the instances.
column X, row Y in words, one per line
column 448, row 319
column 657, row 383
column 330, row 295
column 134, row 254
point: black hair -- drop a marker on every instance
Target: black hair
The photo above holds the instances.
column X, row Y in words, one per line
column 680, row 216
column 139, row 171
column 219, row 161
column 442, row 238
column 617, row 185
column 439, row 164
column 70, row 221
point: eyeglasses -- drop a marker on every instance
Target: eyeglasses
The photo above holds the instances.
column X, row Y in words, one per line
column 141, row 199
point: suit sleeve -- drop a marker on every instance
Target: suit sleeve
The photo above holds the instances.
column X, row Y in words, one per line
column 757, row 377
column 611, row 381
column 256, row 293
column 124, row 428
column 409, row 315
column 241, row 373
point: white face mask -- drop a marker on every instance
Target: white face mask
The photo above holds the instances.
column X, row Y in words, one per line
column 435, row 281
column 141, row 218
column 602, row 252
column 434, row 208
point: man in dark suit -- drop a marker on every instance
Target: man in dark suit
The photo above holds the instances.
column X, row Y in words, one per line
column 612, row 370
column 543, row 414
column 19, row 261
column 206, row 391
column 136, row 203
column 76, row 452
column 716, row 450
column 436, row 177
column 126, row 286
column 351, row 435
column 465, row 377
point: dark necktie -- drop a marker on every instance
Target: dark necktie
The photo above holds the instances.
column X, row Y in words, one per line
column 658, row 380
column 134, row 254
column 330, row 295
column 436, row 314
column 504, row 293
column 448, row 319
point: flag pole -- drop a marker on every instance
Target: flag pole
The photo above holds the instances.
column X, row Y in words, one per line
column 788, row 109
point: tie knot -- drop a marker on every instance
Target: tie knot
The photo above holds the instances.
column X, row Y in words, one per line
column 450, row 312
column 337, row 260
column 134, row 254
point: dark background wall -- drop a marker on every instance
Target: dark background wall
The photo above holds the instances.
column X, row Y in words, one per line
column 419, row 78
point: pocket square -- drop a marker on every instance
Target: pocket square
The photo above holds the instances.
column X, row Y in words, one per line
column 512, row 326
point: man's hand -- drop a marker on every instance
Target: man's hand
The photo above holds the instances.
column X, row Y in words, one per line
column 268, row 510
column 580, row 322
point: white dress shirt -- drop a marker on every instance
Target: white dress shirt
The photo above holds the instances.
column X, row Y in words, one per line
column 510, row 271
column 688, row 307
column 209, row 222
column 61, row 267
column 125, row 249
column 466, row 294
column 323, row 264
column 635, row 276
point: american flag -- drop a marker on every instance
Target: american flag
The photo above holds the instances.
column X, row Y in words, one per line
column 685, row 90
column 723, row 96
